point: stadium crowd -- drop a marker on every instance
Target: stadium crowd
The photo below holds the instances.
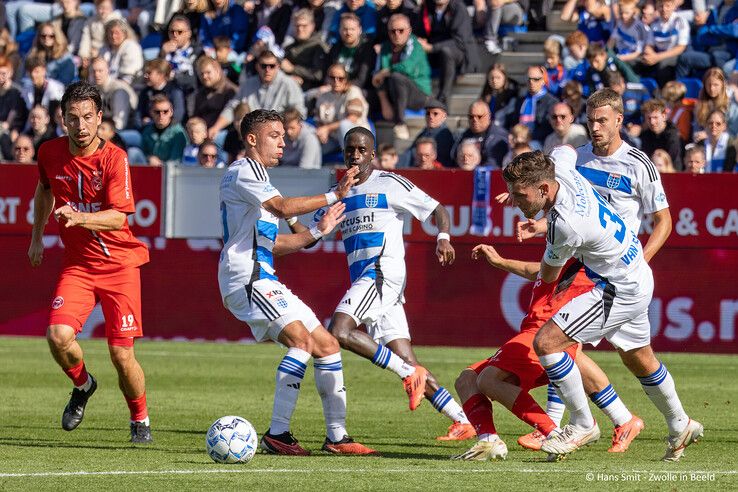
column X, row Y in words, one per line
column 177, row 77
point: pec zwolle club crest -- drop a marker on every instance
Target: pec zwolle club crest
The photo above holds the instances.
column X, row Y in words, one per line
column 613, row 181
column 372, row 200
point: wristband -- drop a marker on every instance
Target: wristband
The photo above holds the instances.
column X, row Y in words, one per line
column 443, row 235
column 331, row 198
column 315, row 232
column 292, row 221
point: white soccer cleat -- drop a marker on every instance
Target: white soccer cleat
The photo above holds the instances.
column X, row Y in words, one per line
column 675, row 445
column 484, row 451
column 571, row 438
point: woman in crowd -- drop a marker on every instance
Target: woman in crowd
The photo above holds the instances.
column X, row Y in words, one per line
column 122, row 51
column 713, row 96
column 662, row 160
column 720, row 151
column 51, row 45
column 499, row 92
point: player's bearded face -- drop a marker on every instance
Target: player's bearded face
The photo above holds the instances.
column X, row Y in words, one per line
column 82, row 120
column 529, row 199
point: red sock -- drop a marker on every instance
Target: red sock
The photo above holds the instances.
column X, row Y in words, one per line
column 529, row 411
column 139, row 412
column 78, row 374
column 478, row 410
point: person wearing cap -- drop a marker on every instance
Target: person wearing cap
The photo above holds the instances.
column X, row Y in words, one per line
column 436, row 128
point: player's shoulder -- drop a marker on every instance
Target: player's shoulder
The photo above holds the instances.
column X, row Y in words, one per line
column 112, row 151
column 584, row 153
column 387, row 177
column 248, row 168
column 53, row 147
column 560, row 225
column 639, row 162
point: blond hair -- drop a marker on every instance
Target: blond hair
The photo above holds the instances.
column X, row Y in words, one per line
column 605, row 97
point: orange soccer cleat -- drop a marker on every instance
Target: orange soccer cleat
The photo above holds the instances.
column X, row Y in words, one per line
column 348, row 447
column 284, row 444
column 624, row 434
column 458, row 432
column 532, row 441
column 415, row 386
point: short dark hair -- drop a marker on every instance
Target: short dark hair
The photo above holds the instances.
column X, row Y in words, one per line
column 529, row 168
column 613, row 77
column 290, row 115
column 35, row 61
column 363, row 131
column 253, row 120
column 81, row 91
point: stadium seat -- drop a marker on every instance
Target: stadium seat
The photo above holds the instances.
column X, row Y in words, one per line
column 412, row 113
column 693, row 86
column 506, row 29
column 650, row 84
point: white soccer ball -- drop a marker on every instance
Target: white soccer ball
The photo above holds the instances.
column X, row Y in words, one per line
column 231, row 440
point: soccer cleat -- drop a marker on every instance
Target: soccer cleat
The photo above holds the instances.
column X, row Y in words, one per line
column 284, row 443
column 571, row 438
column 415, row 386
column 348, row 447
column 458, row 432
column 141, row 433
column 624, row 434
column 484, row 451
column 74, row 412
column 532, row 441
column 675, row 445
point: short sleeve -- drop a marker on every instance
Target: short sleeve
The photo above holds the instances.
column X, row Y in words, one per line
column 682, row 32
column 253, row 189
column 561, row 241
column 653, row 196
column 118, row 190
column 409, row 198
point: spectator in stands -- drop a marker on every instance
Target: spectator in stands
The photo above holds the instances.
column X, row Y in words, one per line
column 364, row 10
column 269, row 89
column 229, row 60
column 565, row 131
column 13, row 109
column 592, row 74
column 207, row 155
column 716, row 41
column 9, row 50
column 500, row 92
column 403, row 76
column 388, row 158
column 194, row 10
column 662, row 160
column 274, row 14
column 468, row 156
column 630, row 35
column 492, row 13
column 23, row 150
column 197, row 133
column 140, row 13
column 634, row 95
column 534, row 107
column 593, row 18
column 225, row 18
column 331, row 108
column 38, row 89
column 648, row 13
column 520, row 142
column 233, row 143
column 214, row 93
column 410, row 8
column 555, row 73
column 659, row 132
column 354, row 51
column 436, row 128
column 158, row 78
column 714, row 95
column 119, row 100
column 40, row 128
column 50, row 44
column 572, row 95
column 576, row 43
column 122, row 51
column 93, row 32
column 60, row 129
column 491, row 139
column 106, row 131
column 668, row 38
column 323, row 13
column 302, row 147
column 449, row 43
column 680, row 109
column 694, row 159
column 304, row 59
column 72, row 23
column 425, row 155
column 720, row 149
column 181, row 53
column 163, row 139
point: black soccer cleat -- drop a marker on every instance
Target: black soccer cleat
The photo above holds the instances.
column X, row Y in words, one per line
column 141, row 433
column 74, row 412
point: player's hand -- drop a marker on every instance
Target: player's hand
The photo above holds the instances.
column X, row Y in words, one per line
column 445, row 252
column 36, row 253
column 487, row 252
column 331, row 218
column 530, row 228
column 503, row 199
column 68, row 217
column 348, row 180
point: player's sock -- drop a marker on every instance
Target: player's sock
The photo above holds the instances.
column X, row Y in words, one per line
column 611, row 405
column 137, row 406
column 660, row 388
column 445, row 404
column 79, row 376
column 386, row 359
column 554, row 406
column 478, row 410
column 565, row 375
column 529, row 411
column 329, row 381
column 290, row 372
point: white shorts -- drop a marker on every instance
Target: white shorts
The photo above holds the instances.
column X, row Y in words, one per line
column 381, row 312
column 268, row 306
column 601, row 313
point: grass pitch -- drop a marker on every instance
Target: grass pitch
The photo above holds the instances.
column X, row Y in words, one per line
column 189, row 385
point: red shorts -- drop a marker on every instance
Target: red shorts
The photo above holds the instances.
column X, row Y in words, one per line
column 119, row 293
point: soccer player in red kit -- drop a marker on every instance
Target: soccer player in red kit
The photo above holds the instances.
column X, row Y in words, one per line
column 85, row 181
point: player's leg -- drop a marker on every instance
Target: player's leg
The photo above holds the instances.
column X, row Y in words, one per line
column 132, row 383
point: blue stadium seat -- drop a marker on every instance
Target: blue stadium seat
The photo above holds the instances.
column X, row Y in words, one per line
column 693, row 87
column 506, row 29
column 412, row 113
column 650, row 84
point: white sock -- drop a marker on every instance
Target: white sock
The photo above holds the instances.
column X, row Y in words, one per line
column 289, row 376
column 554, row 406
column 87, row 385
column 445, row 404
column 145, row 421
column 386, row 359
column 329, row 381
column 660, row 388
column 488, row 437
column 611, row 405
column 565, row 375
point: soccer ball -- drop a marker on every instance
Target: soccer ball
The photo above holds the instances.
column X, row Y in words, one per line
column 231, row 440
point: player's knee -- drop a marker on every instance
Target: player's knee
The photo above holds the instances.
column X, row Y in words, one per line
column 304, row 343
column 122, row 357
column 59, row 336
column 466, row 382
column 327, row 346
column 341, row 333
column 541, row 343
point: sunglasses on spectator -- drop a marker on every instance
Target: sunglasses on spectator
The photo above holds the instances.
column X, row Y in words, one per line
column 337, row 78
column 178, row 32
column 209, row 156
column 160, row 111
column 559, row 116
column 535, row 79
column 47, row 36
column 398, row 31
column 476, row 116
column 270, row 66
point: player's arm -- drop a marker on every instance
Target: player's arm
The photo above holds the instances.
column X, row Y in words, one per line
column 43, row 204
column 444, row 251
column 289, row 243
column 562, row 242
column 290, row 207
column 661, row 231
column 549, row 273
column 104, row 220
column 525, row 269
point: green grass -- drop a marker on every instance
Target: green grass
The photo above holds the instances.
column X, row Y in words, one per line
column 192, row 384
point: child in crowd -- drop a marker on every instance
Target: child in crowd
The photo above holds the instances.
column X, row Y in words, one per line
column 679, row 109
column 554, row 67
column 576, row 43
column 197, row 133
column 630, row 34
column 229, row 60
column 388, row 157
column 662, row 160
column 519, row 140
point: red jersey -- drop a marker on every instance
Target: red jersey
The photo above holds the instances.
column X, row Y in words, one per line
column 97, row 182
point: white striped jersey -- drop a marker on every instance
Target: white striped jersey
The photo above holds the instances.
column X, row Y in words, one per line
column 630, row 39
column 583, row 225
column 372, row 229
column 627, row 179
column 666, row 35
column 249, row 230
